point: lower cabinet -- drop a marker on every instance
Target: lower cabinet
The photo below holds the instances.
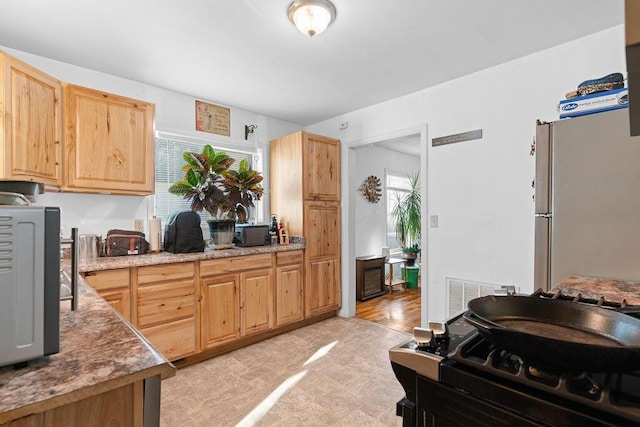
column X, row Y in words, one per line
column 123, row 406
column 322, row 257
column 115, row 287
column 322, row 293
column 289, row 287
column 256, row 301
column 235, row 304
column 167, row 309
column 186, row 308
column 220, row 320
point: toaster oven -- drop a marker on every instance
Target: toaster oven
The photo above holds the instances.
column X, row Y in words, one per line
column 29, row 283
column 252, row 235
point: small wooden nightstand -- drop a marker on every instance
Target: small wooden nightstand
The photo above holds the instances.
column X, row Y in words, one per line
column 369, row 276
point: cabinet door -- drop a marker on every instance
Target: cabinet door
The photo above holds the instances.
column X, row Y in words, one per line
column 289, row 308
column 221, row 310
column 321, row 165
column 109, row 142
column 114, row 287
column 120, row 299
column 173, row 339
column 30, row 123
column 322, row 287
column 256, row 301
column 322, row 229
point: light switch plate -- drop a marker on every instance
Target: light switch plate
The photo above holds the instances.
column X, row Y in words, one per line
column 138, row 225
column 433, row 221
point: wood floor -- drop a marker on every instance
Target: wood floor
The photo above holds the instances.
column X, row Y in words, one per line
column 399, row 310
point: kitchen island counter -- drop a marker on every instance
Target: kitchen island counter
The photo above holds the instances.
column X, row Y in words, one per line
column 594, row 288
column 100, row 354
column 111, row 263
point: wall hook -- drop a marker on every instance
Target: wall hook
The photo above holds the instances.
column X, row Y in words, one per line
column 249, row 129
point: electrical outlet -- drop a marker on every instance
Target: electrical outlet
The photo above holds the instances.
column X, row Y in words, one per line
column 138, row 225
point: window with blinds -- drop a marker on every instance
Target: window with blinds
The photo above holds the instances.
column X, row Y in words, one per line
column 169, row 164
column 397, row 185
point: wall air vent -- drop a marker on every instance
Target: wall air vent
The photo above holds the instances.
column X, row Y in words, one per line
column 461, row 291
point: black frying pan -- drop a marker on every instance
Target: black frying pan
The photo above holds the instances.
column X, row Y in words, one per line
column 559, row 334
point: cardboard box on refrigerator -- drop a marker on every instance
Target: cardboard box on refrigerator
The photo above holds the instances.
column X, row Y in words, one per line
column 594, row 103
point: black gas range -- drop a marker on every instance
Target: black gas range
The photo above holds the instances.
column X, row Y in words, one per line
column 453, row 376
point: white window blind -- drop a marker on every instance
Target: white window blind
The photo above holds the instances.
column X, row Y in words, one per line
column 397, row 185
column 169, row 164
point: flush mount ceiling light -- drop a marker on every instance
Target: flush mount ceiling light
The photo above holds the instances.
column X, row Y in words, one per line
column 312, row 17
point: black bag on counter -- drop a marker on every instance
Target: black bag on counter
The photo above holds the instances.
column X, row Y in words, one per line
column 125, row 242
column 182, row 233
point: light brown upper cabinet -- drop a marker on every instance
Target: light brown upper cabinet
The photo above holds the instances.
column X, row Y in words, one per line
column 109, row 145
column 30, row 123
column 321, row 165
column 307, row 167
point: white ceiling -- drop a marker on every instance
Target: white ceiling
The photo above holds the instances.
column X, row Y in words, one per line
column 246, row 53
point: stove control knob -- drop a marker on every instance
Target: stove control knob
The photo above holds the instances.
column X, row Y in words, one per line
column 423, row 337
column 440, row 329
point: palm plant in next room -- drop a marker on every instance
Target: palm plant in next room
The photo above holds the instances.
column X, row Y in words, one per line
column 406, row 214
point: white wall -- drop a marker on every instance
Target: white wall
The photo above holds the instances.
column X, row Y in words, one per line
column 175, row 113
column 371, row 218
column 481, row 190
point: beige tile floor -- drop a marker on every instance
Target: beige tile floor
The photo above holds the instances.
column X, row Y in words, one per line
column 332, row 373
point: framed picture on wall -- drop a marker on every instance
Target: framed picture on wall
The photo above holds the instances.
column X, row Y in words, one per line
column 213, row 118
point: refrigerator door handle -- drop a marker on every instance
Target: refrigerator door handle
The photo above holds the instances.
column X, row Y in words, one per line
column 542, row 252
column 542, row 182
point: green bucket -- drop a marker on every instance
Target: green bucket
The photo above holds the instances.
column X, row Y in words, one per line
column 412, row 277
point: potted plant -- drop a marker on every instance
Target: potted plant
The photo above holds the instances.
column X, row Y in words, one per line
column 406, row 213
column 224, row 193
column 410, row 253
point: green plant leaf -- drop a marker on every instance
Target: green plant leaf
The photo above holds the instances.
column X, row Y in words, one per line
column 180, row 188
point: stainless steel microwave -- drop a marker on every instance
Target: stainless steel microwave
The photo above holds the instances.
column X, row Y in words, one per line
column 29, row 283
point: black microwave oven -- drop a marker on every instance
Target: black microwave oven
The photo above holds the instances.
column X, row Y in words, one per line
column 251, row 235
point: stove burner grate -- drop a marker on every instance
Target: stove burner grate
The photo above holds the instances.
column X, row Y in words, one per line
column 617, row 393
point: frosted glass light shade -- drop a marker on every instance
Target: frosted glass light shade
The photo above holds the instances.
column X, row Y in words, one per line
column 312, row 17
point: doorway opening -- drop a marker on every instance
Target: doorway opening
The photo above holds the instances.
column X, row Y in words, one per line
column 368, row 230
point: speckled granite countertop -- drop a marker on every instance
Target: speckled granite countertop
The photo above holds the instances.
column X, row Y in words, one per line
column 110, row 263
column 99, row 351
column 594, row 287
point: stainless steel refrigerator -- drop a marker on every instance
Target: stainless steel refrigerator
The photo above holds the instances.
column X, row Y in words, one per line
column 587, row 199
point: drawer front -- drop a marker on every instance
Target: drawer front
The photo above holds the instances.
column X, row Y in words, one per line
column 165, row 302
column 108, row 279
column 165, row 272
column 211, row 267
column 290, row 257
column 174, row 340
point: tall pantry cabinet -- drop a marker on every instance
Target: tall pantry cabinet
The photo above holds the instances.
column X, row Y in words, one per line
column 305, row 195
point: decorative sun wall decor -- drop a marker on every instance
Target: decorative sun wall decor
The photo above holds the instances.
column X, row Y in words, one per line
column 371, row 189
